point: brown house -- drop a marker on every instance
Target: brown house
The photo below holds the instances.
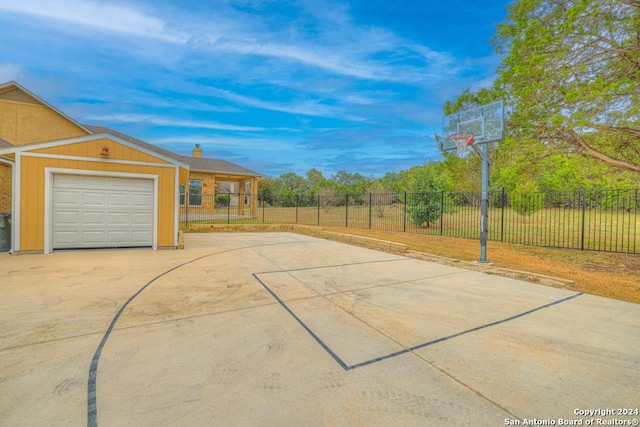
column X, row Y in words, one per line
column 68, row 185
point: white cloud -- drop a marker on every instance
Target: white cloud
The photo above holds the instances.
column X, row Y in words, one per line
column 163, row 121
column 336, row 45
column 308, row 108
column 95, row 14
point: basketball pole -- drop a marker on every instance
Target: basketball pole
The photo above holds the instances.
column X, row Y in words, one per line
column 483, row 152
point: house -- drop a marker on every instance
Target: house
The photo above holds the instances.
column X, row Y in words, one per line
column 69, row 185
column 207, row 176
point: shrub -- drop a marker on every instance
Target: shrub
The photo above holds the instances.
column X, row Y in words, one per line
column 223, row 200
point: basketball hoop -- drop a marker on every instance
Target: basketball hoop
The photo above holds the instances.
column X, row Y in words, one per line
column 462, row 140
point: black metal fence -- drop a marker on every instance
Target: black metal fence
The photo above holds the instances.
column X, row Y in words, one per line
column 599, row 220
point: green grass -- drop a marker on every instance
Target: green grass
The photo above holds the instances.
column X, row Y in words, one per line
column 604, row 230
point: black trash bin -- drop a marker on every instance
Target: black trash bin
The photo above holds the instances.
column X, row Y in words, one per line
column 5, row 232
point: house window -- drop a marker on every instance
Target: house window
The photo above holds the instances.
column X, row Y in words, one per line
column 195, row 192
column 182, row 188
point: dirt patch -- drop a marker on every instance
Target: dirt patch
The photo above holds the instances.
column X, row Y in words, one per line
column 607, row 274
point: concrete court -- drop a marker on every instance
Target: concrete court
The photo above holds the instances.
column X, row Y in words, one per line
column 280, row 329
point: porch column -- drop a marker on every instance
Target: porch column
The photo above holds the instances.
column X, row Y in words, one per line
column 241, row 197
column 213, row 194
column 254, row 196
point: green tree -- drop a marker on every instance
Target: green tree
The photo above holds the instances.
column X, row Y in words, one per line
column 266, row 189
column 571, row 76
column 427, row 183
column 315, row 181
column 288, row 187
column 350, row 183
column 394, row 182
column 520, row 165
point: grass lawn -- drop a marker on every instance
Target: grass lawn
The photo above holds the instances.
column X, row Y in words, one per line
column 602, row 230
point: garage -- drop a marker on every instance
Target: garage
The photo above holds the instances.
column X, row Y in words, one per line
column 95, row 191
column 101, row 212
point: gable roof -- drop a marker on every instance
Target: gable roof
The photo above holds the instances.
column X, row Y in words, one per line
column 101, row 129
column 18, row 93
column 200, row 164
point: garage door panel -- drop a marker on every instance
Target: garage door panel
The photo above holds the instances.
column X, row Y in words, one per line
column 120, row 200
column 94, row 211
column 141, row 200
column 141, row 219
column 93, row 199
column 69, row 218
column 86, row 182
column 140, row 185
column 67, row 237
column 119, row 237
column 120, row 219
column 140, row 236
column 69, row 198
column 93, row 218
column 92, row 237
column 143, row 185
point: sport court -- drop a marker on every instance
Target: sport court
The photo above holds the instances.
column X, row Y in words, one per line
column 286, row 329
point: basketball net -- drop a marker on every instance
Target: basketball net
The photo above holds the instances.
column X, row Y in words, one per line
column 462, row 140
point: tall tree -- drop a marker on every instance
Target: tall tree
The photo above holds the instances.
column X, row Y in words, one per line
column 315, row 181
column 288, row 187
column 571, row 76
column 350, row 183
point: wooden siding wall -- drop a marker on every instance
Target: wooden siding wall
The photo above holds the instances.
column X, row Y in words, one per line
column 24, row 123
column 5, row 187
column 93, row 148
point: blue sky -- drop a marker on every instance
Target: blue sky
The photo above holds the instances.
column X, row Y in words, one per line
column 275, row 86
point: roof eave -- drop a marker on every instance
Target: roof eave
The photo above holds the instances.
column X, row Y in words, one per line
column 225, row 172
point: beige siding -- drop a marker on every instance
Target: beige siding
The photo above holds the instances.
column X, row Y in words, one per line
column 5, row 187
column 93, row 149
column 23, row 123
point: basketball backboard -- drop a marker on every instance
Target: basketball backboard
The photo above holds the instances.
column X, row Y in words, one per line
column 486, row 122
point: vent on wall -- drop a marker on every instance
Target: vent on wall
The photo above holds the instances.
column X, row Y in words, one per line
column 18, row 95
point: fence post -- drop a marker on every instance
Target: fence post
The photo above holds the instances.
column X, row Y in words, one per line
column 404, row 221
column 441, row 213
column 635, row 222
column 318, row 210
column 584, row 208
column 186, row 209
column 296, row 208
column 370, row 200
column 263, row 207
column 229, row 209
column 502, row 217
column 346, row 210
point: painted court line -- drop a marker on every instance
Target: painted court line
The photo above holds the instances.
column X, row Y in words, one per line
column 346, row 367
column 92, row 400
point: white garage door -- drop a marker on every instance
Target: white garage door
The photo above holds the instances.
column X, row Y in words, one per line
column 101, row 212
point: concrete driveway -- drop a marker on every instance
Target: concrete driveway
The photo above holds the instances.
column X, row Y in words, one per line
column 275, row 329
